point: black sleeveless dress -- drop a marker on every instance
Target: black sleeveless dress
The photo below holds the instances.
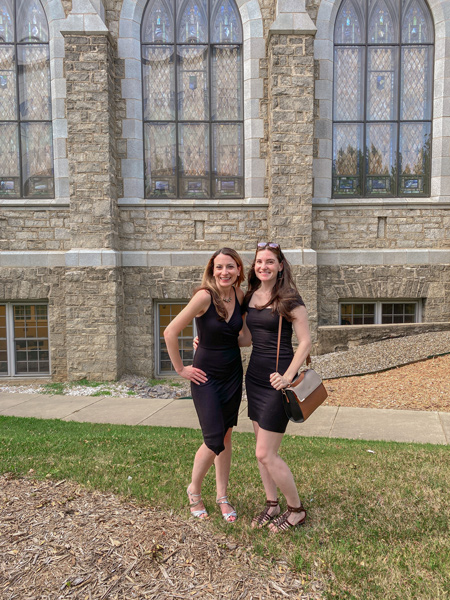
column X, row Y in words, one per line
column 218, row 400
column 265, row 404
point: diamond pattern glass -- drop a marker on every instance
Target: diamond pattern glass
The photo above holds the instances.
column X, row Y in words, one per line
column 193, row 100
column 8, row 90
column 416, row 88
column 31, row 22
column 381, row 83
column 349, row 24
column 159, row 82
column 382, row 29
column 227, row 160
column 193, row 24
column 194, row 159
column 415, row 26
column 381, row 152
column 157, row 26
column 34, row 82
column 9, row 161
column 415, row 142
column 349, row 84
column 37, row 159
column 347, row 149
column 6, row 22
column 160, row 160
column 226, row 83
column 226, row 23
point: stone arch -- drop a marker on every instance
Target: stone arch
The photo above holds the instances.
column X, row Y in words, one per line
column 129, row 49
column 323, row 53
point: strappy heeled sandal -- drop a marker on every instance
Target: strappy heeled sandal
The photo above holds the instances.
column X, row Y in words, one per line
column 230, row 515
column 264, row 518
column 198, row 514
column 282, row 523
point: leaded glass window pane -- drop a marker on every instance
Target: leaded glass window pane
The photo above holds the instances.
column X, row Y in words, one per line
column 31, row 22
column 382, row 84
column 8, row 88
column 226, row 23
column 381, row 152
column 349, row 24
column 416, row 28
column 37, row 159
column 415, row 142
column 157, row 26
column 26, row 140
column 347, row 159
column 10, row 163
column 227, row 160
column 6, row 22
column 193, row 23
column 382, row 25
column 159, row 82
column 382, row 98
column 160, row 165
column 194, row 159
column 417, row 72
column 193, row 99
column 226, row 83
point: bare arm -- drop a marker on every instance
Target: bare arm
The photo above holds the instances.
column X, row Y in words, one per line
column 197, row 306
column 301, row 329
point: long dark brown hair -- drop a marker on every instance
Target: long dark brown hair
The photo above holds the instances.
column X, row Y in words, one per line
column 285, row 296
column 209, row 282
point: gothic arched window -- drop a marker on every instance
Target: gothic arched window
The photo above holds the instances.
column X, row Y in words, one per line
column 192, row 99
column 383, row 75
column 26, row 147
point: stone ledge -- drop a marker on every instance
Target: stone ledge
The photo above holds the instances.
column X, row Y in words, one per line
column 413, row 256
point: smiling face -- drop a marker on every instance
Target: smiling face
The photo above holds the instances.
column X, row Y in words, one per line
column 226, row 271
column 267, row 266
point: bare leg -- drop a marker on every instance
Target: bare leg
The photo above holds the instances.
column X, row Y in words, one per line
column 222, row 463
column 203, row 460
column 275, row 472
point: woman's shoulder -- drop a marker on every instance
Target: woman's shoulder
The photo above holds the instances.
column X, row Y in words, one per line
column 202, row 298
column 240, row 296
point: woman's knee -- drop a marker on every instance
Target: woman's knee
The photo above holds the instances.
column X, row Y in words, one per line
column 263, row 455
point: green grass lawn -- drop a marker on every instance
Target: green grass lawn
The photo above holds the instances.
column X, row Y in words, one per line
column 378, row 522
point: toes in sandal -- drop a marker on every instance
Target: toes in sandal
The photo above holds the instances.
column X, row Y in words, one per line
column 264, row 518
column 229, row 517
column 283, row 524
column 198, row 514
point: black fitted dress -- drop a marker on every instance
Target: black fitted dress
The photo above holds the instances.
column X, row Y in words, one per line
column 217, row 401
column 265, row 405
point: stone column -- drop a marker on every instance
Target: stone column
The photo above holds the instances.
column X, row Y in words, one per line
column 93, row 281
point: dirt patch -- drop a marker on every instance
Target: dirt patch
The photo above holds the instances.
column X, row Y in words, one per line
column 422, row 385
column 59, row 540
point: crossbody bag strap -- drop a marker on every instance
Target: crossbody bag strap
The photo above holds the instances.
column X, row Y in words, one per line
column 308, row 358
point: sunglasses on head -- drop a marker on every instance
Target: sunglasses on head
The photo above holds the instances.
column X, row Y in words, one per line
column 262, row 245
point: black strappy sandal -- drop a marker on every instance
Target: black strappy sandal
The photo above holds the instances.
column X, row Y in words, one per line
column 264, row 518
column 282, row 523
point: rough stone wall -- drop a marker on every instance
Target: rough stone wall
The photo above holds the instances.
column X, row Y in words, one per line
column 41, row 284
column 89, row 70
column 381, row 228
column 291, row 127
column 34, row 230
column 152, row 229
column 381, row 282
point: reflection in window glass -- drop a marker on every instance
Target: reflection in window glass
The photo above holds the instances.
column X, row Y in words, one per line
column 31, row 339
column 166, row 312
column 383, row 53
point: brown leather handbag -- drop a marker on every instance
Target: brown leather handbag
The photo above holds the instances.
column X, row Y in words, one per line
column 304, row 394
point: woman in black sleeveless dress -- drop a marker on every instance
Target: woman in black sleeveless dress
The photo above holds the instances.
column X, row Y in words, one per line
column 271, row 293
column 216, row 375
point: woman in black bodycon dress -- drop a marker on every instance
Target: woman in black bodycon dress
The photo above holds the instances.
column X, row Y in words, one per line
column 216, row 375
column 271, row 293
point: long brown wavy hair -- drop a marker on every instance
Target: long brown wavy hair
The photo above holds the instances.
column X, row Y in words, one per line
column 285, row 296
column 209, row 282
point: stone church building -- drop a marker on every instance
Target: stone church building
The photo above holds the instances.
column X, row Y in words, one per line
column 139, row 136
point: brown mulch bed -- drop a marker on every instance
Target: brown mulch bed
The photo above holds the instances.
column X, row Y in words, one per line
column 59, row 540
column 422, row 385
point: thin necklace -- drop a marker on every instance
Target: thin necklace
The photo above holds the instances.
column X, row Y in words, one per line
column 227, row 299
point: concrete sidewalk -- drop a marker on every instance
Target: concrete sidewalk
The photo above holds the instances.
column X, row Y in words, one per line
column 327, row 421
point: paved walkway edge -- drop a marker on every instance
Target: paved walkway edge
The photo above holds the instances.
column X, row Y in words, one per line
column 328, row 421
